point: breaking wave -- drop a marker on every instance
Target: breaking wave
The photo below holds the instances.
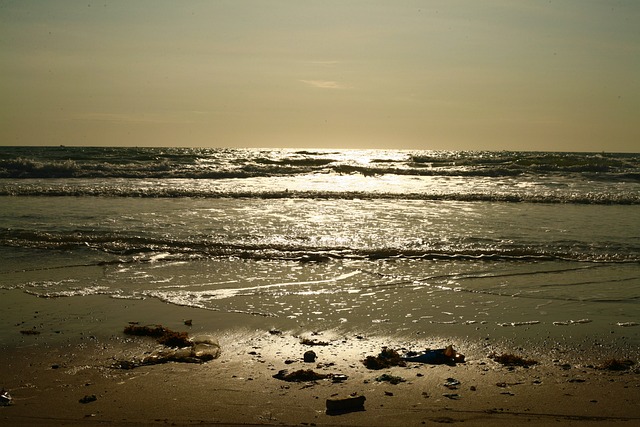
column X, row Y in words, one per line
column 157, row 191
column 140, row 247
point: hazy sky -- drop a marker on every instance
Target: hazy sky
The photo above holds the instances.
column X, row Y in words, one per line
column 465, row 74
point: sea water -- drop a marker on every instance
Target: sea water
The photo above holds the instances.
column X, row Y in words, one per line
column 465, row 244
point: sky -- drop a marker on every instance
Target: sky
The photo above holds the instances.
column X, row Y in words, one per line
column 444, row 75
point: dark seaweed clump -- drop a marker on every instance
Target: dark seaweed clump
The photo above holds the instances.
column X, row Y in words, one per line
column 508, row 359
column 302, row 375
column 617, row 365
column 307, row 341
column 387, row 358
column 164, row 336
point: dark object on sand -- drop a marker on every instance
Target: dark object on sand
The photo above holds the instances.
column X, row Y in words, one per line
column 512, row 360
column 387, row 358
column 88, row 399
column 302, row 375
column 617, row 365
column 338, row 378
column 164, row 335
column 175, row 339
column 198, row 349
column 5, row 398
column 155, row 331
column 307, row 341
column 30, row 332
column 309, row 356
column 452, row 383
column 441, row 356
column 390, row 379
column 345, row 405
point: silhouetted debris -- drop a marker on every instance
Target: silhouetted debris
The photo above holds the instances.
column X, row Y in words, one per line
column 512, row 360
column 301, row 375
column 307, row 341
column 29, row 332
column 5, row 398
column 387, row 358
column 452, row 396
column 344, row 405
column 452, row 384
column 88, row 399
column 155, row 331
column 338, row 378
column 309, row 356
column 390, row 379
column 175, row 339
column 188, row 322
column 442, row 356
column 164, row 336
column 616, row 365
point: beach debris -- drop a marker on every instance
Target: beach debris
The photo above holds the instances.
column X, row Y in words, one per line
column 338, row 378
column 188, row 322
column 387, row 358
column 275, row 332
column 307, row 341
column 442, row 356
column 199, row 349
column 309, row 356
column 352, row 403
column 452, row 396
column 507, row 359
column 5, row 398
column 452, row 384
column 390, row 379
column 302, row 375
column 88, row 398
column 205, row 347
column 627, row 324
column 164, row 336
column 616, row 365
column 29, row 332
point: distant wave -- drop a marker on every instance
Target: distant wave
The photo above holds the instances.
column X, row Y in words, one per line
column 530, row 177
column 38, row 190
column 29, row 169
column 161, row 163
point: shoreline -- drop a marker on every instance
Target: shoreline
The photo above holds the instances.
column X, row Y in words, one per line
column 47, row 374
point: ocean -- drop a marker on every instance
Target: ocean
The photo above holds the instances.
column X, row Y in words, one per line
column 529, row 246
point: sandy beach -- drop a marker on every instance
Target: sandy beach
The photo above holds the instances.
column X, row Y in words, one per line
column 64, row 374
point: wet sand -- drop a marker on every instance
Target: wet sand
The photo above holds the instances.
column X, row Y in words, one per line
column 79, row 339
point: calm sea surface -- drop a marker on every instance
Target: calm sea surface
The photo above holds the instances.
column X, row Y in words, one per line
column 413, row 241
